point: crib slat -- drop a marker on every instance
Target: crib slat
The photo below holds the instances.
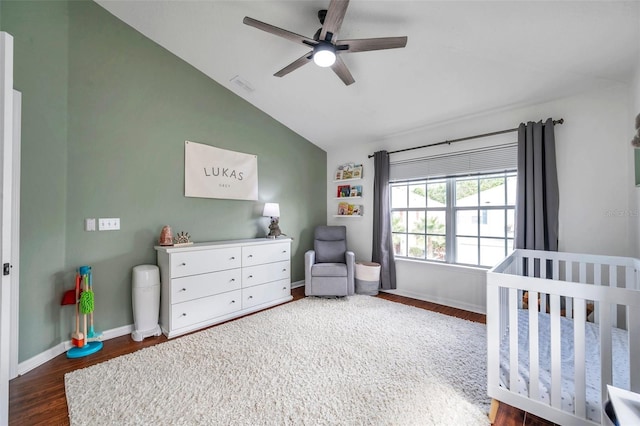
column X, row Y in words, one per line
column 556, row 382
column 613, row 282
column 555, row 269
column 579, row 357
column 633, row 324
column 534, row 387
column 568, row 272
column 543, row 274
column 597, row 280
column 582, row 271
column 530, row 266
column 605, row 349
column 613, row 276
column 513, row 340
column 630, row 277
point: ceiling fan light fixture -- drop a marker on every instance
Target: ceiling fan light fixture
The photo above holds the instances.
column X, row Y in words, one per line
column 324, row 55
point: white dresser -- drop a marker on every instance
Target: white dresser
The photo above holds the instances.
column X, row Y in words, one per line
column 208, row 283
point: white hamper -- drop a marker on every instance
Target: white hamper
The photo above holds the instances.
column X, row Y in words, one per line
column 145, row 301
column 367, row 278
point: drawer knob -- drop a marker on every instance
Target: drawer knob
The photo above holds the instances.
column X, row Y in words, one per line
column 233, row 301
column 183, row 315
column 250, row 255
column 250, row 276
column 232, row 258
column 284, row 251
column 284, row 288
column 233, row 279
column 183, row 264
column 183, row 289
column 250, row 297
column 284, row 269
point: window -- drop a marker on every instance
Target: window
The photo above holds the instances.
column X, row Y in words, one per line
column 462, row 220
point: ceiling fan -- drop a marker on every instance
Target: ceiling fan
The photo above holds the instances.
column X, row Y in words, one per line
column 326, row 46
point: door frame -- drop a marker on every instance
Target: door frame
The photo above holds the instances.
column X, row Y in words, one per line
column 6, row 158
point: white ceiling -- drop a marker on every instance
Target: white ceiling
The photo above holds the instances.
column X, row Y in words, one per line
column 462, row 58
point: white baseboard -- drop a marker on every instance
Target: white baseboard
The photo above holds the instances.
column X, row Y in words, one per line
column 36, row 361
column 440, row 301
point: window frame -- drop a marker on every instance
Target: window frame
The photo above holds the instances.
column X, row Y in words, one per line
column 451, row 213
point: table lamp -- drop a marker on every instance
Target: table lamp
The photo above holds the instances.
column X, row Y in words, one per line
column 272, row 210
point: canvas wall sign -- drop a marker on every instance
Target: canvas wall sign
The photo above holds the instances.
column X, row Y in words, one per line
column 211, row 172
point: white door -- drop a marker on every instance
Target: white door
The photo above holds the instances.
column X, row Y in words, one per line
column 6, row 142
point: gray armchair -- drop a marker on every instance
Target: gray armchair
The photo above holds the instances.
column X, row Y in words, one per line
column 329, row 268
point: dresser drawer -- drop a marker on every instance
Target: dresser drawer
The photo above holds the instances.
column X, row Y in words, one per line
column 203, row 261
column 194, row 311
column 265, row 253
column 257, row 295
column 260, row 274
column 196, row 286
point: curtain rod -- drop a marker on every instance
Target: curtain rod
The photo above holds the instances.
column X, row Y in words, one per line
column 448, row 142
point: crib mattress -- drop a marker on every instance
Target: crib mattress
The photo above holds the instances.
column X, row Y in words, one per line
column 620, row 356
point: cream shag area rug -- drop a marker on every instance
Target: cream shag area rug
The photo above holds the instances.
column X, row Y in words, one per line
column 354, row 361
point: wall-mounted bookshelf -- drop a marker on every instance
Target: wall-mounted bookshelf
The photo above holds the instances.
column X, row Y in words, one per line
column 348, row 190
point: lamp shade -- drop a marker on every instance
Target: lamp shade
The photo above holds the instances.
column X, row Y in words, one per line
column 271, row 210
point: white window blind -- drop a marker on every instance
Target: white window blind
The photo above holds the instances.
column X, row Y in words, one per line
column 486, row 160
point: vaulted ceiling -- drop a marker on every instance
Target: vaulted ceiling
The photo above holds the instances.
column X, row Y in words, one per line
column 461, row 59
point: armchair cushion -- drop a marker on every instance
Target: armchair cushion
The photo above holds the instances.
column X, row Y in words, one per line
column 329, row 270
column 330, row 251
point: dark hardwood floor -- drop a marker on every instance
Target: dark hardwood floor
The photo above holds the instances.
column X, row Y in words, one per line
column 38, row 397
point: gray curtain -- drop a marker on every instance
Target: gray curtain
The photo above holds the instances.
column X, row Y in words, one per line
column 537, row 199
column 382, row 252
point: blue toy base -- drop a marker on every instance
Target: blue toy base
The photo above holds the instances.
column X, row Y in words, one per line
column 87, row 349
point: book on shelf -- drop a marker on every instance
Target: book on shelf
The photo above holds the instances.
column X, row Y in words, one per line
column 356, row 171
column 355, row 191
column 348, row 171
column 343, row 209
column 347, row 209
column 344, row 191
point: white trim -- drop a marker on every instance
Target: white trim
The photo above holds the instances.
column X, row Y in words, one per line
column 297, row 284
column 6, row 145
column 440, row 301
column 43, row 357
column 15, row 237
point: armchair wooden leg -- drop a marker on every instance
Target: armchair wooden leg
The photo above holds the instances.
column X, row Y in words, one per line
column 493, row 411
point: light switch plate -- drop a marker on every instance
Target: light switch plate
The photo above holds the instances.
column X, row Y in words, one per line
column 109, row 224
column 90, row 224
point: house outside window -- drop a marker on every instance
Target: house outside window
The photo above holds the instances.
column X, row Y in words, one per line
column 460, row 220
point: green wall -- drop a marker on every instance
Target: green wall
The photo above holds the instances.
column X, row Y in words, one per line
column 105, row 116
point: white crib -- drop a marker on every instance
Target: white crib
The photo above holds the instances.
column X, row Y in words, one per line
column 561, row 374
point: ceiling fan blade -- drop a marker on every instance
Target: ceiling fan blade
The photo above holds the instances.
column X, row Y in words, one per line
column 340, row 68
column 367, row 44
column 297, row 38
column 333, row 20
column 295, row 64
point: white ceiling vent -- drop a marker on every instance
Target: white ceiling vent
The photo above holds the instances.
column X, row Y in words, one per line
column 243, row 84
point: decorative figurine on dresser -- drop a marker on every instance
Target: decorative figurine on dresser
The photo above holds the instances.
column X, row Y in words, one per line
column 207, row 283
